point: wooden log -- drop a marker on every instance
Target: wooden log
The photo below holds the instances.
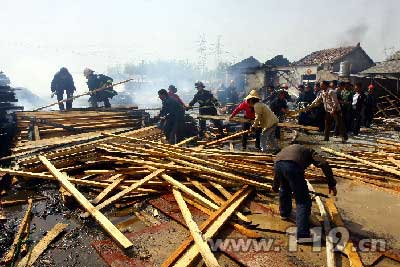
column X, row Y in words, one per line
column 201, row 243
column 349, row 248
column 187, row 140
column 232, row 202
column 330, row 255
column 366, row 162
column 40, row 247
column 97, row 215
column 8, row 257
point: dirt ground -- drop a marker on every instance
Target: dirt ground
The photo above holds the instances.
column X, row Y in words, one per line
column 368, row 212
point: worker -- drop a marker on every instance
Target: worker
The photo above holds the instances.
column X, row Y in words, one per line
column 285, row 88
column 172, row 93
column 270, row 95
column 172, row 115
column 306, row 97
column 370, row 106
column 358, row 107
column 207, row 106
column 280, row 108
column 61, row 82
column 319, row 110
column 347, row 98
column 332, row 110
column 290, row 164
column 96, row 81
column 248, row 114
column 266, row 120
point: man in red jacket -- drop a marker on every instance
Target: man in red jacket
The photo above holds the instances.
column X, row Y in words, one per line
column 248, row 114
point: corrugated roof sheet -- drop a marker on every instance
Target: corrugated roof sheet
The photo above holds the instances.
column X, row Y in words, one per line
column 325, row 56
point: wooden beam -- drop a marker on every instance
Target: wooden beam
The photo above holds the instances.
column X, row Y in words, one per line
column 240, row 228
column 187, row 140
column 22, row 226
column 97, row 215
column 349, row 249
column 330, row 254
column 40, row 247
column 192, row 252
column 126, row 191
column 108, row 189
column 227, row 138
column 201, row 243
column 366, row 162
column 216, row 214
column 195, row 195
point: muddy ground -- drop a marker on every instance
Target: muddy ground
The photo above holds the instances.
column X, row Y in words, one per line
column 368, row 212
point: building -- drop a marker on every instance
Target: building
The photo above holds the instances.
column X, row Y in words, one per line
column 325, row 64
column 245, row 74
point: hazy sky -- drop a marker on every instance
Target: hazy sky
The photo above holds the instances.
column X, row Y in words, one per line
column 38, row 37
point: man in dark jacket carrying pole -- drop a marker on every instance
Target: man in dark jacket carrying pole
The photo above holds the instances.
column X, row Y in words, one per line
column 61, row 82
column 207, row 104
column 173, row 115
column 96, row 81
column 290, row 165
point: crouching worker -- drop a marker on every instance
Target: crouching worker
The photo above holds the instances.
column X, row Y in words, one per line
column 266, row 120
column 290, row 165
column 173, row 115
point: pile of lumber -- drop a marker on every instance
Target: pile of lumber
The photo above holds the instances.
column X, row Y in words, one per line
column 375, row 164
column 40, row 125
column 118, row 170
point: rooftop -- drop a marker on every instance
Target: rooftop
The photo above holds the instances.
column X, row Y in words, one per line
column 330, row 55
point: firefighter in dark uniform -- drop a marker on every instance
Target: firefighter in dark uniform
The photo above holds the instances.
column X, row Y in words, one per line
column 96, row 81
column 207, row 104
column 173, row 115
column 61, row 82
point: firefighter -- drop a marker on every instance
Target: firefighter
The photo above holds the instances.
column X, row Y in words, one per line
column 173, row 115
column 61, row 82
column 207, row 106
column 96, row 81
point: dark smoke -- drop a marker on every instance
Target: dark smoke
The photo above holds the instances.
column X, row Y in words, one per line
column 353, row 35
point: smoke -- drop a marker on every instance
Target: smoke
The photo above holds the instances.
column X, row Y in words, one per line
column 353, row 35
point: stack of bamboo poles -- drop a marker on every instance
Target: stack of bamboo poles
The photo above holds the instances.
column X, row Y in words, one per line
column 377, row 164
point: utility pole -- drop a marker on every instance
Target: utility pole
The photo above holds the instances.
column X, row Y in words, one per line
column 202, row 49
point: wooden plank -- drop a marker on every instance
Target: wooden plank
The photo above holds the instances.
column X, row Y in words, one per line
column 330, row 255
column 349, row 249
column 40, row 247
column 187, row 140
column 240, row 228
column 366, row 162
column 186, row 244
column 97, row 215
column 8, row 257
column 108, row 189
column 36, row 133
column 227, row 138
column 196, row 195
column 126, row 191
column 201, row 243
column 192, row 252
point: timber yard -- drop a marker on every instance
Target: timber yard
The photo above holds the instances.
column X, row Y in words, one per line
column 258, row 163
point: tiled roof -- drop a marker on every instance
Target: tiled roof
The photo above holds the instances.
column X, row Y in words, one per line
column 325, row 56
column 250, row 62
column 390, row 66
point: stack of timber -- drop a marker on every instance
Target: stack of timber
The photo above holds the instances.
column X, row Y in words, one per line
column 39, row 125
column 377, row 164
column 388, row 111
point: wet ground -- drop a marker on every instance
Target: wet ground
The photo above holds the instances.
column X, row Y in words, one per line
column 367, row 211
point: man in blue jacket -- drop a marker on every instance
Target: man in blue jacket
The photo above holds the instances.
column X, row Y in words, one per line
column 61, row 82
